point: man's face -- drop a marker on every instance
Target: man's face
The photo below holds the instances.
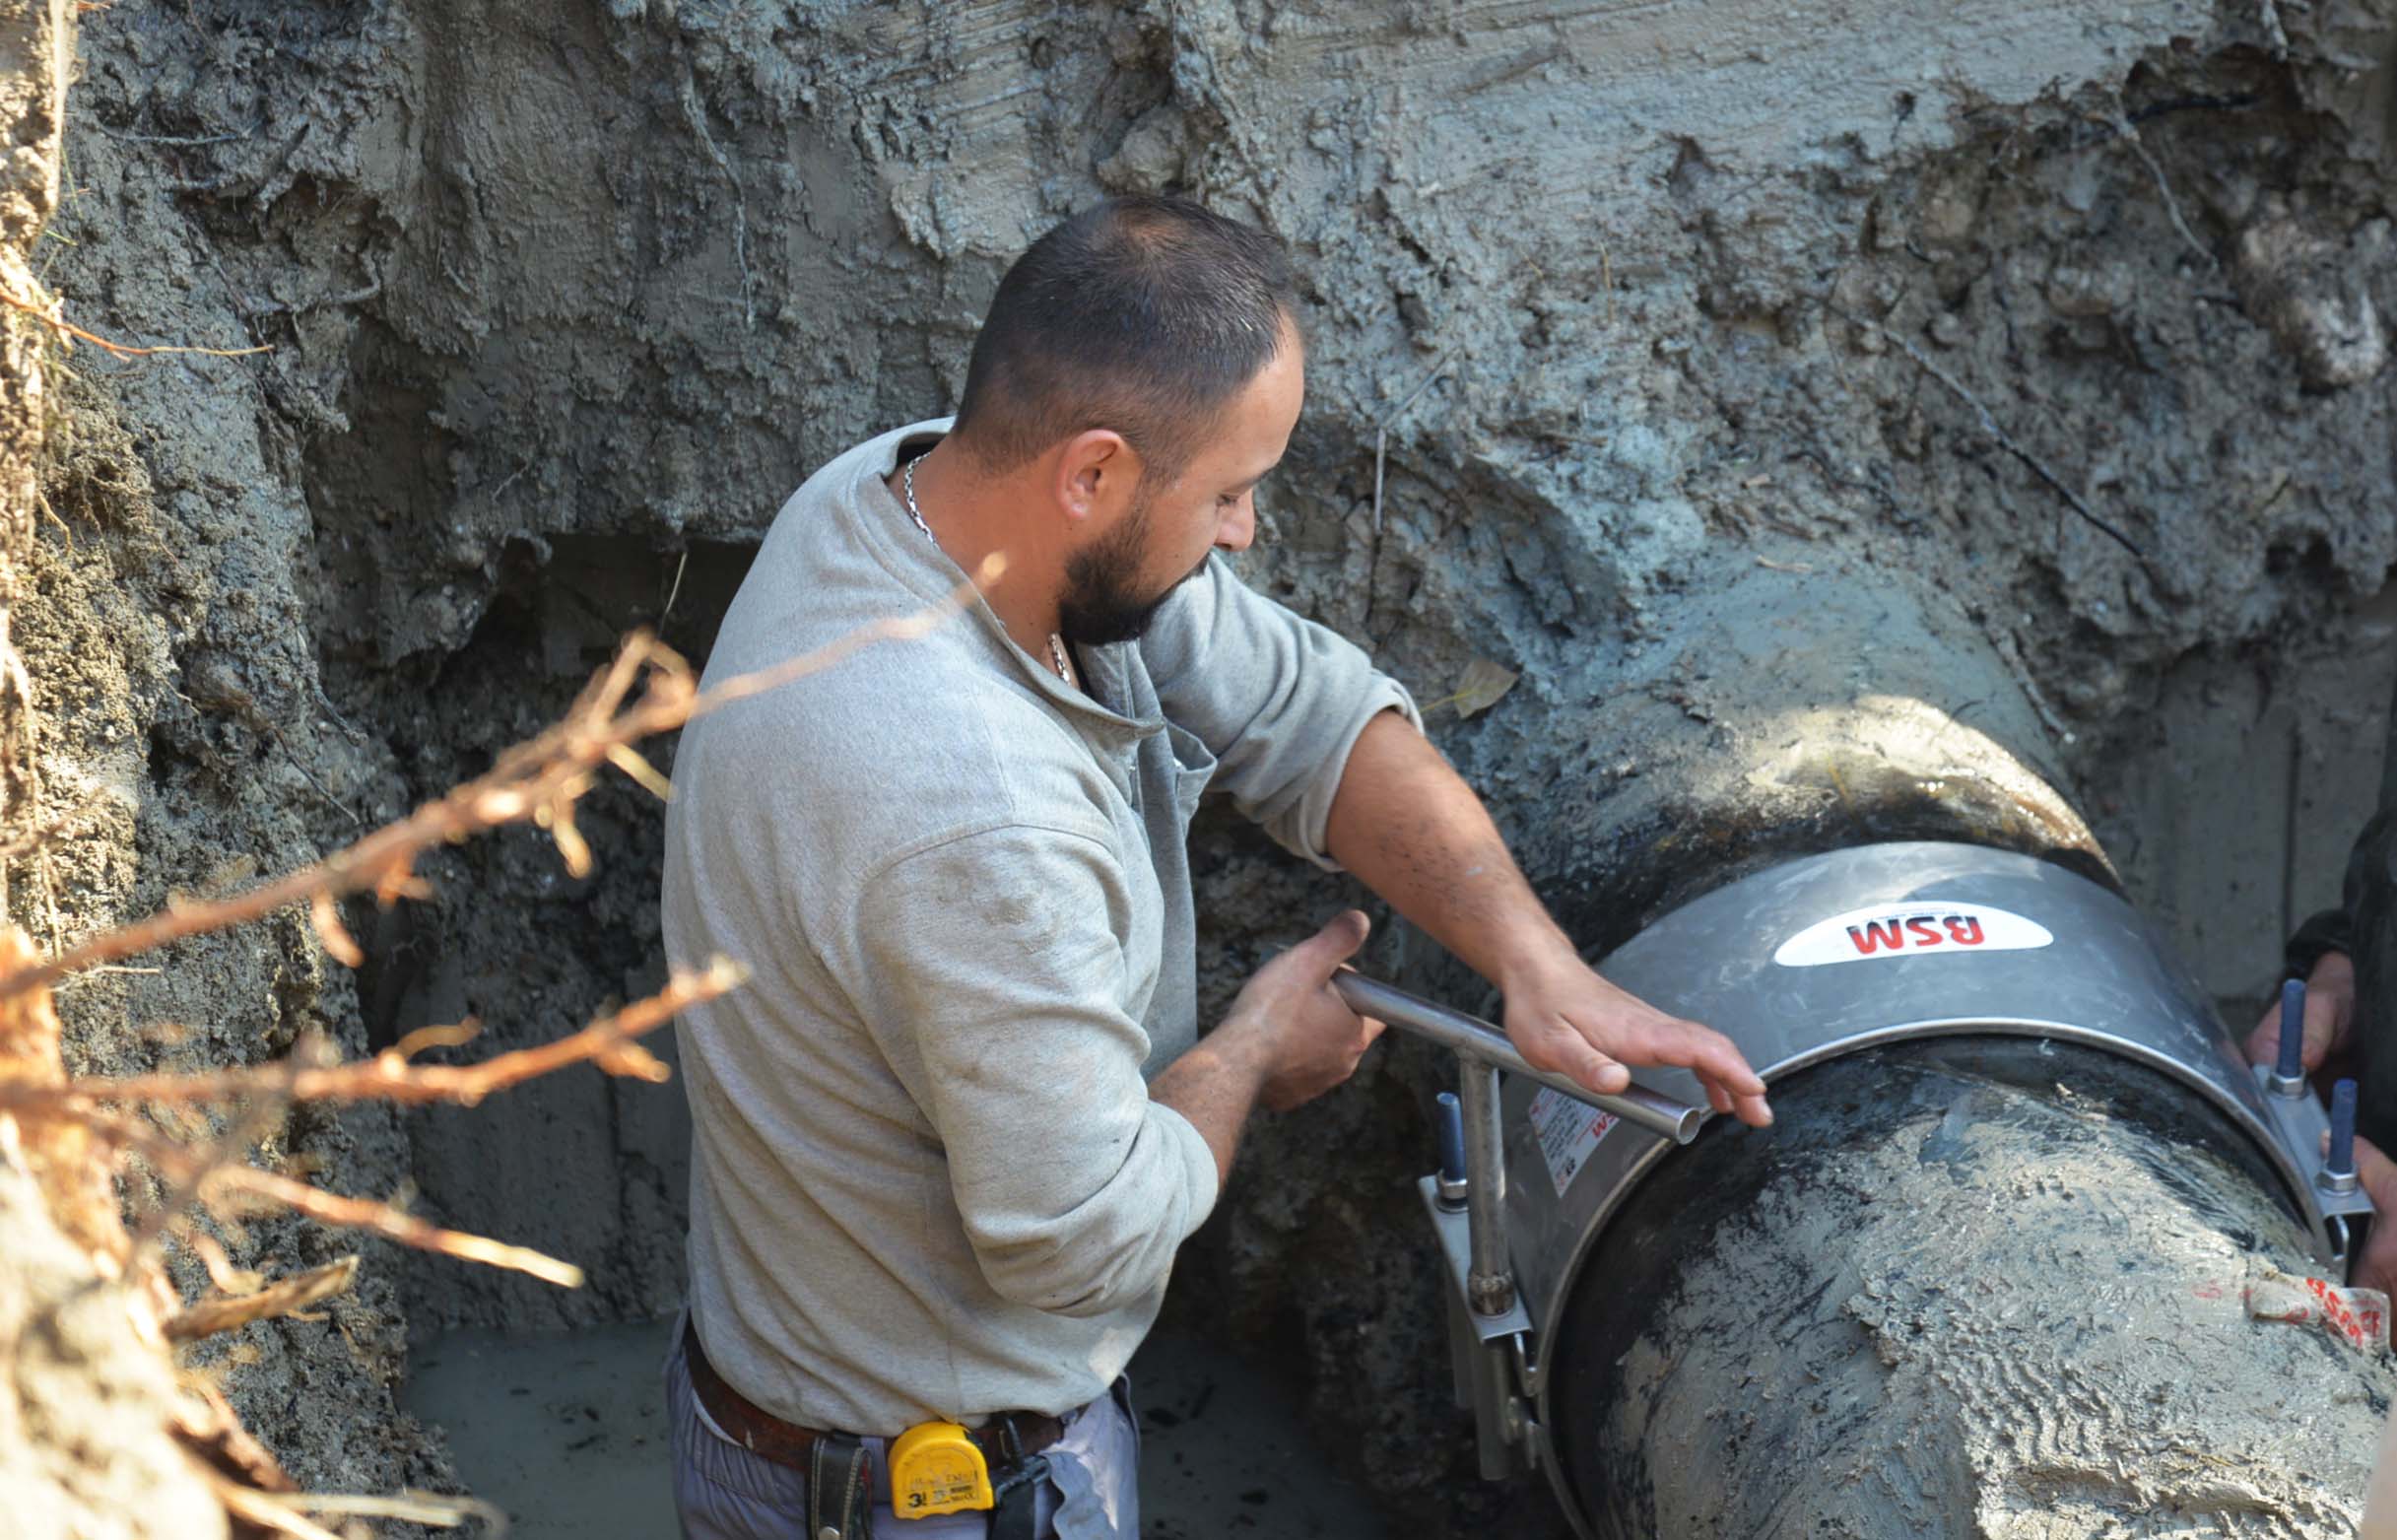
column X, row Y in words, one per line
column 1114, row 585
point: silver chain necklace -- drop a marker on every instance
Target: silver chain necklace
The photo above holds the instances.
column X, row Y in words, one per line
column 1056, row 645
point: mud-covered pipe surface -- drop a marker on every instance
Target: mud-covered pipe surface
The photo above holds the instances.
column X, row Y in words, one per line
column 1964, row 1287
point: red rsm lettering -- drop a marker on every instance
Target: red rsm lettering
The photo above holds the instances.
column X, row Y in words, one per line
column 1918, row 931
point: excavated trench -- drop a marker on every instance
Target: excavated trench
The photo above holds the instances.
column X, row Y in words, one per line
column 1796, row 398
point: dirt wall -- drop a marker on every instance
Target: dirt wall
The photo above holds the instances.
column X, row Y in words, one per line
column 1734, row 363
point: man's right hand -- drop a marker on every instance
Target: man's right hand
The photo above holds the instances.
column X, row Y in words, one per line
column 2330, row 1013
column 1307, row 1037
column 2376, row 1269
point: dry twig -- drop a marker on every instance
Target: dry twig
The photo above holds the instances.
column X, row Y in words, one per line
column 285, row 1511
column 536, row 781
column 207, row 1318
column 266, row 1510
column 32, row 841
column 265, row 1189
column 308, row 1074
column 2012, row 651
column 389, row 1221
column 2129, row 130
column 1989, row 424
column 121, row 350
column 74, row 1138
column 210, row 1175
column 417, row 1508
column 1381, row 433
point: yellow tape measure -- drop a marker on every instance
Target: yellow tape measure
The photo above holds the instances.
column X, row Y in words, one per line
column 936, row 1468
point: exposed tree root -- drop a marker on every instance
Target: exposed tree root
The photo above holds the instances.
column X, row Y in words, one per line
column 47, row 316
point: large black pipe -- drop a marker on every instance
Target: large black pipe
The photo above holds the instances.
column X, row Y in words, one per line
column 1966, row 1287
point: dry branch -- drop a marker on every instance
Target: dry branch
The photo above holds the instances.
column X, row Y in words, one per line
column 207, row 1318
column 1989, row 426
column 76, row 1135
column 394, row 1224
column 283, row 1511
column 537, row 781
column 418, row 1507
column 391, row 1076
column 391, row 1223
column 264, row 1510
column 43, row 314
column 2129, row 130
column 269, row 1188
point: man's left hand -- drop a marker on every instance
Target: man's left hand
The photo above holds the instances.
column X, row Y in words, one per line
column 1566, row 1018
column 2330, row 1015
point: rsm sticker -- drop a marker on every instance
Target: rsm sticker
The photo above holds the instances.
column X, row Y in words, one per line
column 1568, row 1131
column 1905, row 929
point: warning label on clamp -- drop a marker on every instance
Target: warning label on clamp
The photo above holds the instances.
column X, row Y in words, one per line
column 1569, row 1132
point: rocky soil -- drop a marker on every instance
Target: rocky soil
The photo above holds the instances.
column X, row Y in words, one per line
column 1751, row 379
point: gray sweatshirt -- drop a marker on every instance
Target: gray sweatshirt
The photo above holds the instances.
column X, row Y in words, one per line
column 927, row 1180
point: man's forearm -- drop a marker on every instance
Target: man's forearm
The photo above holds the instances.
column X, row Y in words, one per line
column 1408, row 827
column 1216, row 1086
column 1288, row 1039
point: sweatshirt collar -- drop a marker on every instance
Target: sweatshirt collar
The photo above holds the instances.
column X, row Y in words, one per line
column 883, row 523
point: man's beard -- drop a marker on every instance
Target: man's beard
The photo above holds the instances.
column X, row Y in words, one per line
column 1102, row 602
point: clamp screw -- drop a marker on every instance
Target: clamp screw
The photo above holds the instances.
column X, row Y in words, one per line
column 2289, row 1072
column 2339, row 1167
column 1449, row 1125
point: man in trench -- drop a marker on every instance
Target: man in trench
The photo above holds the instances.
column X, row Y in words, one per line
column 949, row 1136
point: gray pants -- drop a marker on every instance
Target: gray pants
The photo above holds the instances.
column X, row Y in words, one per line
column 722, row 1492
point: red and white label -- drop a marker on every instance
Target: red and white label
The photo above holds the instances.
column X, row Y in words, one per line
column 1910, row 929
column 1569, row 1132
column 2360, row 1315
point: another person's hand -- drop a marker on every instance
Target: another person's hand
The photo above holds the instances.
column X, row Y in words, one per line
column 1308, row 1037
column 2376, row 1269
column 1566, row 1018
column 2330, row 1011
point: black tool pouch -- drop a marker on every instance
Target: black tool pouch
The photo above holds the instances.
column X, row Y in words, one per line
column 839, row 1490
column 1013, row 1514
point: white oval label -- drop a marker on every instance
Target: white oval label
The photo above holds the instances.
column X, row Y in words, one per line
column 1906, row 929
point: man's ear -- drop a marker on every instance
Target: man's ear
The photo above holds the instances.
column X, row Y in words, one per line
column 1096, row 474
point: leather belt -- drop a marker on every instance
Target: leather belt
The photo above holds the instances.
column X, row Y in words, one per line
column 769, row 1437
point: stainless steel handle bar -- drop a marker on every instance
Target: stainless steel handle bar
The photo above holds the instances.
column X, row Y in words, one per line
column 1476, row 1039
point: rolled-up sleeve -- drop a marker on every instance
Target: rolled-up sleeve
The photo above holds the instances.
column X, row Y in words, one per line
column 2334, row 931
column 1278, row 700
column 994, row 976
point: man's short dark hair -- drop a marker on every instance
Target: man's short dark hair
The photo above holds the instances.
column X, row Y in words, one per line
column 1144, row 315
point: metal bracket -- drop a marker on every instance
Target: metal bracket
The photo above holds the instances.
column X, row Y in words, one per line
column 1489, row 1330
column 1449, row 1227
column 2302, row 1124
column 1485, row 1349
